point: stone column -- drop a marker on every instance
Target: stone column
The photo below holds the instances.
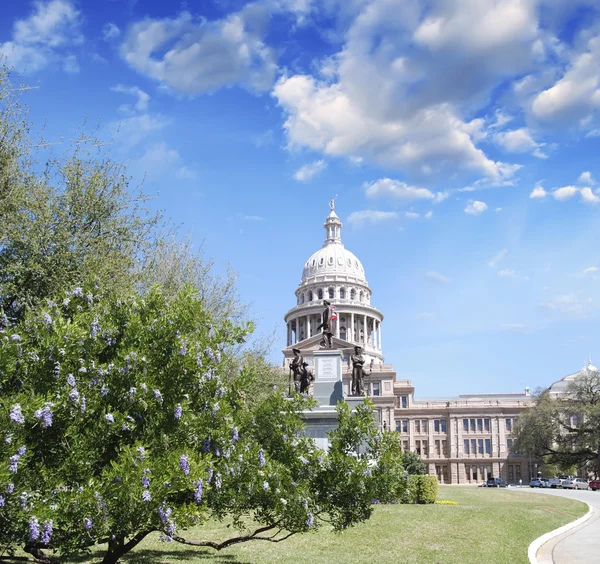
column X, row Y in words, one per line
column 289, row 333
column 308, row 326
column 352, row 338
column 365, row 331
column 337, row 325
column 379, row 339
column 375, row 333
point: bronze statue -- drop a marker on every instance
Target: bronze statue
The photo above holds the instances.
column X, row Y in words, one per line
column 297, row 367
column 358, row 372
column 307, row 378
column 326, row 325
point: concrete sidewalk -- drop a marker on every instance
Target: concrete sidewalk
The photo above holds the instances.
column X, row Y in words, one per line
column 580, row 545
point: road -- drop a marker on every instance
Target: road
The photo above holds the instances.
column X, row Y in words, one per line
column 580, row 545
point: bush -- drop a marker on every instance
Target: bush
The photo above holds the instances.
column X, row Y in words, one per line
column 421, row 489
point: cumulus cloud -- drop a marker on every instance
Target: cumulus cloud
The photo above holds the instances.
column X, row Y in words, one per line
column 436, row 277
column 110, row 31
column 142, row 98
column 589, row 197
column 520, row 141
column 132, row 130
column 569, row 304
column 506, row 273
column 309, row 171
column 590, row 270
column 475, row 207
column 360, row 218
column 429, row 215
column 586, row 178
column 538, row 193
column 193, row 55
column 42, row 37
column 565, row 193
column 386, row 187
column 412, row 215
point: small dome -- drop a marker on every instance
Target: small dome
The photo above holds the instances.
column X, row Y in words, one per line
column 334, row 260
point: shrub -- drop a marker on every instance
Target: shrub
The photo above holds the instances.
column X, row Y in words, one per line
column 421, row 489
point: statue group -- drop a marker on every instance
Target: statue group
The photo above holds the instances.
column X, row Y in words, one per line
column 301, row 374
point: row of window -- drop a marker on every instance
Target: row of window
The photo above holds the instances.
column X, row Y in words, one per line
column 471, row 447
column 477, row 446
column 319, row 295
column 476, row 425
column 421, row 426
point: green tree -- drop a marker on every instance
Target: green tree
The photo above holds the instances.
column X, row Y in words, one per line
column 118, row 418
column 565, row 430
column 413, row 464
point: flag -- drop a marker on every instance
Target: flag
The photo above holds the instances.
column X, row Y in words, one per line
column 333, row 314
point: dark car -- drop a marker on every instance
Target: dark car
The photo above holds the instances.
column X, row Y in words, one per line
column 594, row 485
column 496, row 483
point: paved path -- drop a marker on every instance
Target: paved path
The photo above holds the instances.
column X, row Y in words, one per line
column 580, row 545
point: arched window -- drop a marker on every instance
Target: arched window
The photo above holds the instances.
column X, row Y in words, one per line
column 342, row 294
column 322, row 261
column 310, row 296
column 331, row 293
column 360, row 296
column 343, row 333
column 353, row 294
column 320, row 294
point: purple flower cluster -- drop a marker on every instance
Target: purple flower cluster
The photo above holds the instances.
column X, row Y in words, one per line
column 178, row 411
column 198, row 491
column 104, row 390
column 165, row 513
column 146, row 496
column 83, row 404
column 47, row 319
column 74, row 395
column 184, row 464
column 16, row 338
column 71, row 380
column 77, row 292
column 310, row 520
column 46, row 531
column 142, row 453
column 261, row 457
column 132, row 392
column 109, row 418
column 199, row 360
column 218, row 481
column 3, row 321
column 218, row 356
column 235, row 436
column 15, row 414
column 209, row 353
column 266, row 486
column 94, row 328
column 158, row 396
column 87, row 523
column 2, row 501
column 183, row 349
column 145, row 482
column 206, row 445
column 14, row 463
column 56, row 371
column 34, row 528
column 210, row 475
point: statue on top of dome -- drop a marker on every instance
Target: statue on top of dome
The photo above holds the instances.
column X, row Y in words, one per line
column 332, row 203
column 326, row 326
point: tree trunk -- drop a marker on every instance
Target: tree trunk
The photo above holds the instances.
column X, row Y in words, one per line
column 118, row 547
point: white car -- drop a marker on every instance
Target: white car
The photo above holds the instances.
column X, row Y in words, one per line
column 575, row 484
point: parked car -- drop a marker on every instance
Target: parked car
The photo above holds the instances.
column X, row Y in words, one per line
column 554, row 482
column 539, row 483
column 594, row 485
column 496, row 483
column 575, row 484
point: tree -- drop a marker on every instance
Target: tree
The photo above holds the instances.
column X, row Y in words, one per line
column 565, row 430
column 117, row 420
column 413, row 464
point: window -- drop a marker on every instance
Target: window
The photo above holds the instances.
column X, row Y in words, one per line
column 343, row 333
column 405, row 446
column 466, row 425
column 352, row 294
column 473, row 446
column 322, row 261
column 331, row 293
column 574, row 421
column 509, row 425
column 342, row 293
column 479, row 446
column 473, row 425
column 424, row 425
column 403, row 402
column 509, row 445
column 320, row 294
column 511, row 473
column 488, row 446
column 486, row 425
column 480, row 425
column 330, row 260
column 376, row 389
column 444, row 448
column 360, row 296
column 402, row 425
column 517, row 472
column 439, row 425
column 417, row 425
column 310, row 296
column 467, row 451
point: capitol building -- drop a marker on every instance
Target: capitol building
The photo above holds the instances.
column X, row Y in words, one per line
column 461, row 439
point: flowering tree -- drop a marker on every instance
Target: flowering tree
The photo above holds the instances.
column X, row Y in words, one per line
column 116, row 421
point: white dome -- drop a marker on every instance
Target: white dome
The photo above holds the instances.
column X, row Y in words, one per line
column 334, row 259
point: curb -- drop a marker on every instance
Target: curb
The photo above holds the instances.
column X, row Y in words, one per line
column 537, row 543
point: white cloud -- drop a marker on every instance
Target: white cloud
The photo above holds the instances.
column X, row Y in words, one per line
column 39, row 39
column 309, row 171
column 586, row 178
column 185, row 173
column 565, row 193
column 157, row 159
column 498, row 210
column 507, row 273
column 520, row 141
column 435, row 276
column 569, row 304
column 475, row 207
column 590, row 270
column 441, row 196
column 110, row 31
column 359, row 218
column 132, row 130
column 498, row 257
column 429, row 215
column 244, row 217
column 141, row 104
column 412, row 215
column 425, row 315
column 538, row 193
column 194, row 55
column 386, row 187
column 589, row 197
column 70, row 64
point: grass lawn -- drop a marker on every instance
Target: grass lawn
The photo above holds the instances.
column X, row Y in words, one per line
column 487, row 525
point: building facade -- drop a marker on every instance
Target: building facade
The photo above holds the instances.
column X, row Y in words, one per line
column 463, row 439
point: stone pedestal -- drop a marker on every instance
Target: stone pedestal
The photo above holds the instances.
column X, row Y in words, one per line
column 328, row 391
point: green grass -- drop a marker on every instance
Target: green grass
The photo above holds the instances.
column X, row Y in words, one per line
column 486, row 525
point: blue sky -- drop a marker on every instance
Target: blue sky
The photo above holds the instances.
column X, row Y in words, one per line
column 461, row 137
